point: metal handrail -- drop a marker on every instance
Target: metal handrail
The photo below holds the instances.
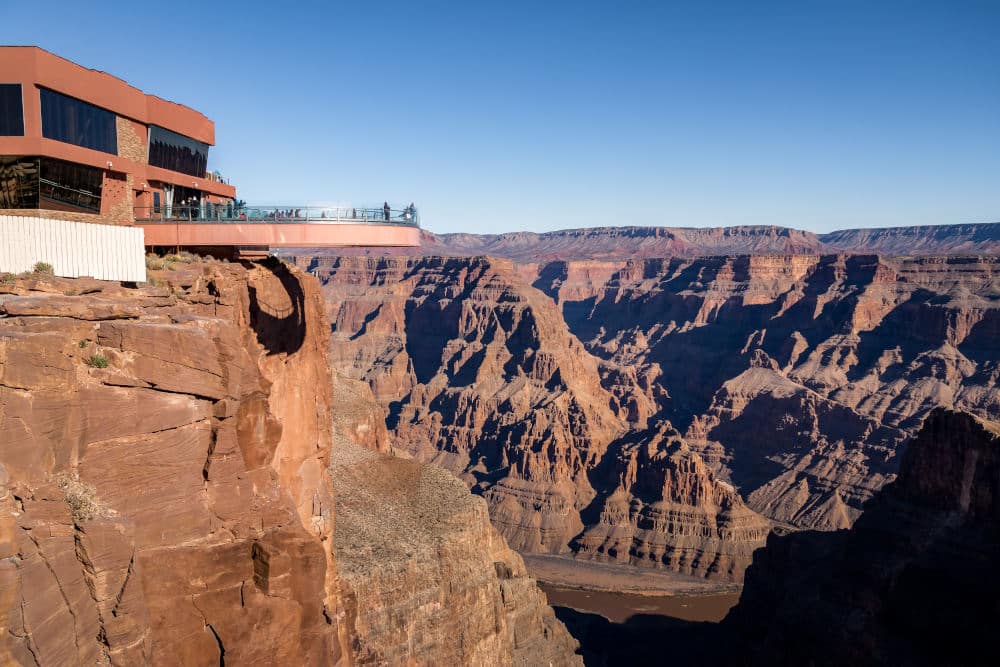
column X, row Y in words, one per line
column 275, row 214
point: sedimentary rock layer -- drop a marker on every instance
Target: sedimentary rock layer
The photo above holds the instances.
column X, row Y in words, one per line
column 624, row 243
column 792, row 382
column 163, row 456
column 165, row 495
column 479, row 373
column 428, row 580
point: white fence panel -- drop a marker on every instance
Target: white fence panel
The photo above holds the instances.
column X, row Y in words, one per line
column 74, row 249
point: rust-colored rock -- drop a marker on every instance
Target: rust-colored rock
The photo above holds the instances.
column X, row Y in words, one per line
column 627, row 243
column 170, row 504
column 478, row 372
column 428, row 580
column 794, row 379
column 166, row 496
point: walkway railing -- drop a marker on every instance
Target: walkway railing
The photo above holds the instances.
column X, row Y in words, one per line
column 275, row 214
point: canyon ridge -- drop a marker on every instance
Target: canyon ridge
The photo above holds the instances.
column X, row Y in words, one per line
column 668, row 412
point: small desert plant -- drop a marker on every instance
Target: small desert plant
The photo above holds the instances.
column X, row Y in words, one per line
column 82, row 498
column 155, row 263
column 182, row 257
column 83, row 344
column 97, row 361
column 43, row 267
column 8, row 279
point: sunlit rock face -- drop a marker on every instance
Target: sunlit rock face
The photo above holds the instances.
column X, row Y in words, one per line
column 428, row 580
column 163, row 461
column 629, row 243
column 666, row 411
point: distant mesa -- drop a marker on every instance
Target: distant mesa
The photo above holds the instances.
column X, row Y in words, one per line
column 618, row 243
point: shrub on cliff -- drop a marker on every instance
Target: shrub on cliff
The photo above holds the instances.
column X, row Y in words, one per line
column 182, row 257
column 82, row 499
column 43, row 267
column 97, row 361
column 154, row 263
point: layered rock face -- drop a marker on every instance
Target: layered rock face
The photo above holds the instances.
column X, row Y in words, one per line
column 428, row 580
column 624, row 243
column 614, row 243
column 554, row 388
column 660, row 504
column 914, row 582
column 479, row 373
column 165, row 496
column 981, row 239
column 797, row 378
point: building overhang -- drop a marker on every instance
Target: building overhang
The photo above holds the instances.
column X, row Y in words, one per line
column 280, row 235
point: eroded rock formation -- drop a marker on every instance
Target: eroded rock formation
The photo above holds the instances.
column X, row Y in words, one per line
column 625, row 243
column 479, row 372
column 792, row 382
column 165, row 497
column 427, row 579
column 914, row 582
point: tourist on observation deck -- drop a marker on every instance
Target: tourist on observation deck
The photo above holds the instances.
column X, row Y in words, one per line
column 386, row 210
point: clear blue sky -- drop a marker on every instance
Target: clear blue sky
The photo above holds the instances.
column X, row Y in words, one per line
column 544, row 115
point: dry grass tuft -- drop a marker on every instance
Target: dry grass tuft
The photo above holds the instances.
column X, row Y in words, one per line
column 82, row 499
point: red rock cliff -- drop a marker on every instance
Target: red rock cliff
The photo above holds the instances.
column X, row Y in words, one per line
column 165, row 496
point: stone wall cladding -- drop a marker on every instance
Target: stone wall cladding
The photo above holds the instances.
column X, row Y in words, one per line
column 131, row 140
column 117, row 200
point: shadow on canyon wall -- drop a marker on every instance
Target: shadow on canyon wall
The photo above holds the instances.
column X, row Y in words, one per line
column 642, row 640
column 280, row 327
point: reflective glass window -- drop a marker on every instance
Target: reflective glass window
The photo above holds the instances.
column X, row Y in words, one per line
column 64, row 186
column 11, row 110
column 76, row 122
column 176, row 152
column 18, row 182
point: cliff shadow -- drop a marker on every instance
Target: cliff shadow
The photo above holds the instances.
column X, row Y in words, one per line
column 277, row 308
column 641, row 640
column 550, row 277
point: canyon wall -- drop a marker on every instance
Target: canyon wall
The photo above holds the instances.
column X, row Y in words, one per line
column 914, row 582
column 479, row 373
column 973, row 239
column 666, row 412
column 427, row 579
column 169, row 458
column 165, row 498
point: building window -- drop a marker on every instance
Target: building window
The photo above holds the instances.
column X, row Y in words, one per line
column 18, row 182
column 76, row 122
column 176, row 152
column 11, row 110
column 65, row 186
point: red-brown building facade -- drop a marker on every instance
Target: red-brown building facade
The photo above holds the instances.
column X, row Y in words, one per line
column 83, row 145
